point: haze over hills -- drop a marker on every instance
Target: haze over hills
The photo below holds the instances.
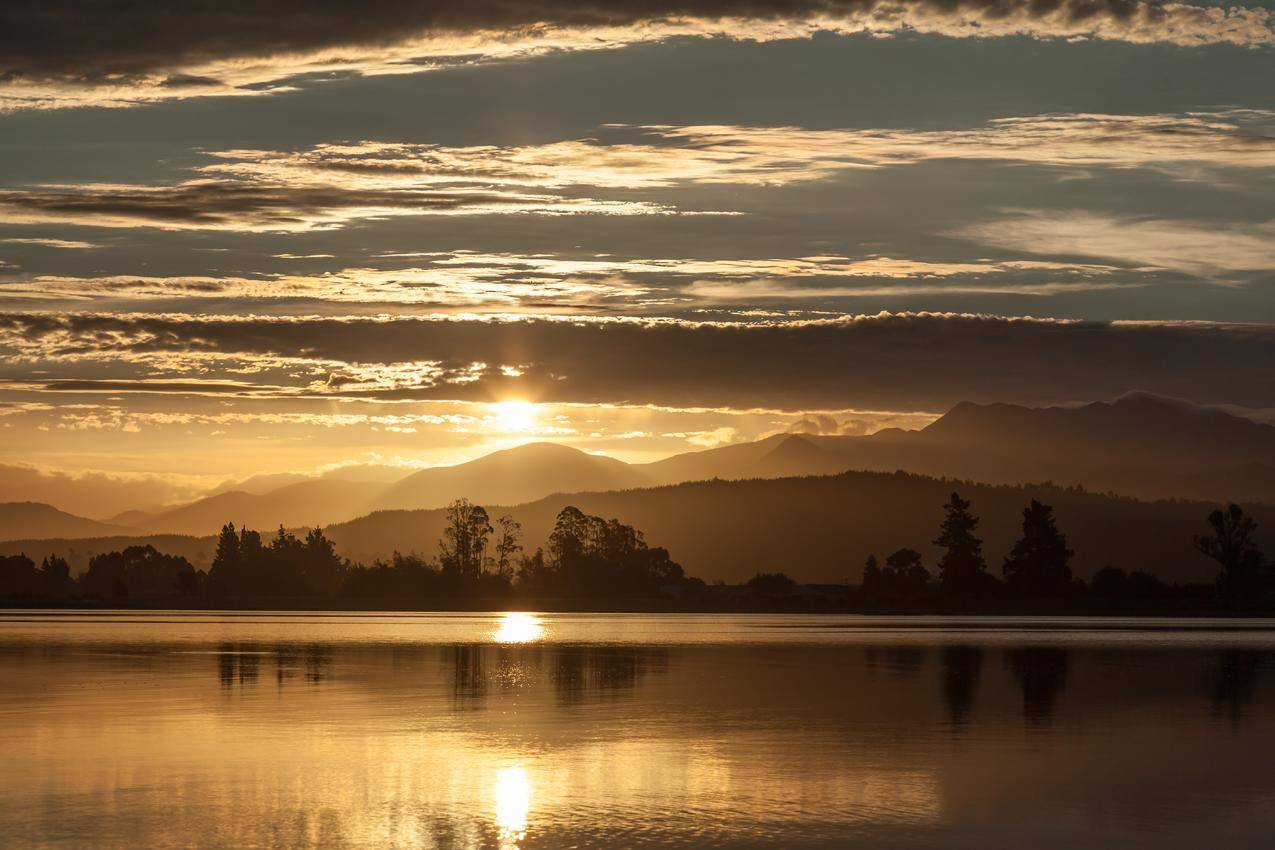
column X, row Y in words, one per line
column 304, row 503
column 821, row 528
column 514, row 475
column 815, row 528
column 1138, row 445
column 36, row 520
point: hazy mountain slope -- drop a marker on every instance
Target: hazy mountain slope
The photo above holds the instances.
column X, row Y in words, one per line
column 515, row 475
column 739, row 460
column 369, row 473
column 821, row 528
column 260, row 484
column 36, row 519
column 314, row 502
column 1139, row 445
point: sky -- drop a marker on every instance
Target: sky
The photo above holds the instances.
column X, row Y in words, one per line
column 254, row 237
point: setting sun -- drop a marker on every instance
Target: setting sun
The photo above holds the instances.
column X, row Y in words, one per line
column 516, row 417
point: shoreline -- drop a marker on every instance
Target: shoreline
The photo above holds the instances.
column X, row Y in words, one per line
column 427, row 605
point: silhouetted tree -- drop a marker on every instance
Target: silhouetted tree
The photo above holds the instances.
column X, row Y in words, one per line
column 1038, row 565
column 533, row 574
column 1231, row 544
column 322, row 570
column 138, row 571
column 404, row 575
column 962, row 570
column 872, row 579
column 905, row 574
column 508, row 532
column 55, row 577
column 1113, row 583
column 18, row 576
column 289, row 566
column 772, row 584
column 464, row 543
column 590, row 555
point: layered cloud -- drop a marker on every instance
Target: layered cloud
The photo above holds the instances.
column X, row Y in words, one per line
column 329, row 186
column 245, row 206
column 469, row 280
column 68, row 52
column 885, row 361
column 1216, row 250
column 728, row 154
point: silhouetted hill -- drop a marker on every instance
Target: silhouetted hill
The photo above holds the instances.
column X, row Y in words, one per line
column 311, row 502
column 820, row 529
column 369, row 473
column 1138, row 445
column 36, row 519
column 519, row 474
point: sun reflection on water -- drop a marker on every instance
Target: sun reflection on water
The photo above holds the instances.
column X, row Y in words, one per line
column 513, row 800
column 518, row 627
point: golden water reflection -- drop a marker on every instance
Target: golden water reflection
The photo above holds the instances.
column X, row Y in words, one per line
column 518, row 627
column 513, row 801
column 547, row 740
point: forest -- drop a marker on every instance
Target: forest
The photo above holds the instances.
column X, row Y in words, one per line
column 588, row 557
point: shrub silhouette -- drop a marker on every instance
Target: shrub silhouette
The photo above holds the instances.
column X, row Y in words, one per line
column 1244, row 575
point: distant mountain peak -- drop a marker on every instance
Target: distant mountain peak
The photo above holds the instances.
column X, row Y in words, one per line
column 1142, row 400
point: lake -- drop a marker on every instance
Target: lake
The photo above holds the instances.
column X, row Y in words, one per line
column 517, row 730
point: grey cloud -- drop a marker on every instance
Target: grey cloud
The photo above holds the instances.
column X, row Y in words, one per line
column 174, row 45
column 255, row 206
column 887, row 361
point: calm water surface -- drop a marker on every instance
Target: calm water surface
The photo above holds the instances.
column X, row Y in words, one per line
column 568, row 730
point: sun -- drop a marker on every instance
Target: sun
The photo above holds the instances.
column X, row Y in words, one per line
column 516, row 417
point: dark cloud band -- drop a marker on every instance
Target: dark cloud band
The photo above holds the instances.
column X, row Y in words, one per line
column 887, row 361
column 112, row 40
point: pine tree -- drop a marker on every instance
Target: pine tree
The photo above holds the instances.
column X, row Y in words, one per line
column 1038, row 563
column 962, row 570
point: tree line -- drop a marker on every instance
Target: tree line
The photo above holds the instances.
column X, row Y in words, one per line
column 1038, row 567
column 585, row 556
column 588, row 556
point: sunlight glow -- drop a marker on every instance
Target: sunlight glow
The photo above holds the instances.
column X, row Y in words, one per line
column 516, row 417
column 518, row 627
column 513, row 800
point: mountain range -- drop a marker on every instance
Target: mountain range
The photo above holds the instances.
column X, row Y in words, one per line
column 1138, row 445
column 814, row 528
column 38, row 520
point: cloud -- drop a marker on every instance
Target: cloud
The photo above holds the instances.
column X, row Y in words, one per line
column 1218, row 250
column 329, row 186
column 763, row 290
column 888, row 361
column 259, row 207
column 731, row 154
column 69, row 52
column 465, row 280
column 439, row 287
column 86, row 492
column 66, row 244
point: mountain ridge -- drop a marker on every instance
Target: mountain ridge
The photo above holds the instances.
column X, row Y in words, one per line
column 1138, row 444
